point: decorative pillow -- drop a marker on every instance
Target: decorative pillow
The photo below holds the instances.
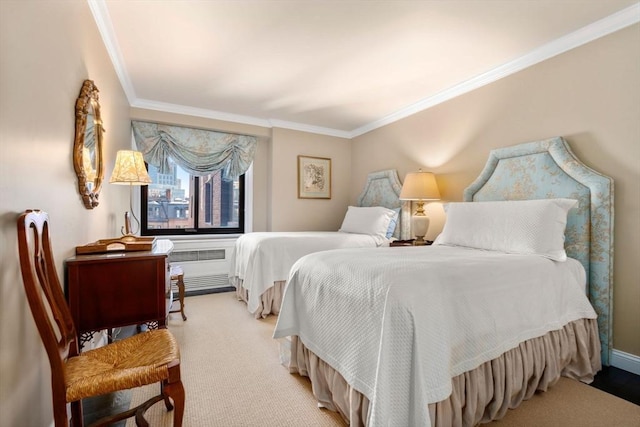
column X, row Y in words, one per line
column 393, row 223
column 367, row 220
column 533, row 227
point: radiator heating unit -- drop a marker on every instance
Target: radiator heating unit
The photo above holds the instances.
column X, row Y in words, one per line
column 205, row 263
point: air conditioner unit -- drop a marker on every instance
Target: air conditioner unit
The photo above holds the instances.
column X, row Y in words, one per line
column 205, row 262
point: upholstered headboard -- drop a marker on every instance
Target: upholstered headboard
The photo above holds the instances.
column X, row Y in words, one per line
column 548, row 169
column 383, row 189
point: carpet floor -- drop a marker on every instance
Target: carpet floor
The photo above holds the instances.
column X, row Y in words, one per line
column 232, row 377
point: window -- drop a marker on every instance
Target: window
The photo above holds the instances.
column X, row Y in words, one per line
column 181, row 200
column 178, row 203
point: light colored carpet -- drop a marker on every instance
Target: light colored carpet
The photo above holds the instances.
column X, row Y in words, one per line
column 232, row 377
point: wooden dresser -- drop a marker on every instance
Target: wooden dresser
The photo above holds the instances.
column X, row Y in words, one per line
column 117, row 289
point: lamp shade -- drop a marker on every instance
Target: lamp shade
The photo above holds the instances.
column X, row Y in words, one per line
column 420, row 186
column 129, row 169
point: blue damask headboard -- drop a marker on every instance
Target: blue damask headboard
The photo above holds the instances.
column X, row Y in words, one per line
column 383, row 189
column 548, row 169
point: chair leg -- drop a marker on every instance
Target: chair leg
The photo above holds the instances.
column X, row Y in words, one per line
column 165, row 395
column 76, row 414
column 173, row 390
column 181, row 296
column 176, row 392
column 180, row 284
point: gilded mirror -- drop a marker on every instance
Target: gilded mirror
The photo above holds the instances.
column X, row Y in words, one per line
column 87, row 147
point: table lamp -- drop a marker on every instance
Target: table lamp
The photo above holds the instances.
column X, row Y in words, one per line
column 130, row 170
column 420, row 187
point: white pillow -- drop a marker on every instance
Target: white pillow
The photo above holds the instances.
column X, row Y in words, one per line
column 367, row 220
column 533, row 227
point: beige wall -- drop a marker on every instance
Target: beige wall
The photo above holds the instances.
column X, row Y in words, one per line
column 590, row 96
column 289, row 213
column 48, row 49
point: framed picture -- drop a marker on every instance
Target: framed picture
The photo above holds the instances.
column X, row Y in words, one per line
column 314, row 177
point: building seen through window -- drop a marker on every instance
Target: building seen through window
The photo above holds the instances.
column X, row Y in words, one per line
column 180, row 203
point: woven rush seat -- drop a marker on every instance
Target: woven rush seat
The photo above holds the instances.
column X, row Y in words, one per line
column 133, row 362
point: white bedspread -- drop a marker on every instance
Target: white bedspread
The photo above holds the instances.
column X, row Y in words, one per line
column 399, row 323
column 261, row 258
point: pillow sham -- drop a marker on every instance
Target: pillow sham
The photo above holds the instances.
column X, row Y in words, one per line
column 367, row 220
column 532, row 227
column 393, row 223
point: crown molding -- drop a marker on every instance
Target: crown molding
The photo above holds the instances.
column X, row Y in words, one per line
column 309, row 128
column 199, row 112
column 103, row 21
column 598, row 29
column 236, row 118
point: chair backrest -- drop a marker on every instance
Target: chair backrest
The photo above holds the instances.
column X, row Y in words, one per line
column 44, row 293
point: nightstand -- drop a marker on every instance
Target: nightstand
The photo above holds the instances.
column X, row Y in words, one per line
column 397, row 243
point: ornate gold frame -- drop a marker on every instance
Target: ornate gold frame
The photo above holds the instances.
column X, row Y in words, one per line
column 87, row 146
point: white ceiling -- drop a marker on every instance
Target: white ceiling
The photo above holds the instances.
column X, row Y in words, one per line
column 334, row 67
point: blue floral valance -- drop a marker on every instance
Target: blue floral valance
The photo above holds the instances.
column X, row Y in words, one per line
column 197, row 151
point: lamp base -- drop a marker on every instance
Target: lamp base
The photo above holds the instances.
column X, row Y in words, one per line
column 127, row 225
column 129, row 238
column 419, row 241
column 419, row 227
column 127, row 231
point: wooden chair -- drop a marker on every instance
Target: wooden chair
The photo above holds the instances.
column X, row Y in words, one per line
column 136, row 361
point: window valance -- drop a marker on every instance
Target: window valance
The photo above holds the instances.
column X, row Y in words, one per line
column 197, row 151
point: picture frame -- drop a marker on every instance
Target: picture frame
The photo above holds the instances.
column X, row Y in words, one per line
column 314, row 177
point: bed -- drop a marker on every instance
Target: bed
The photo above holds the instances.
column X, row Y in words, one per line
column 260, row 261
column 457, row 333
